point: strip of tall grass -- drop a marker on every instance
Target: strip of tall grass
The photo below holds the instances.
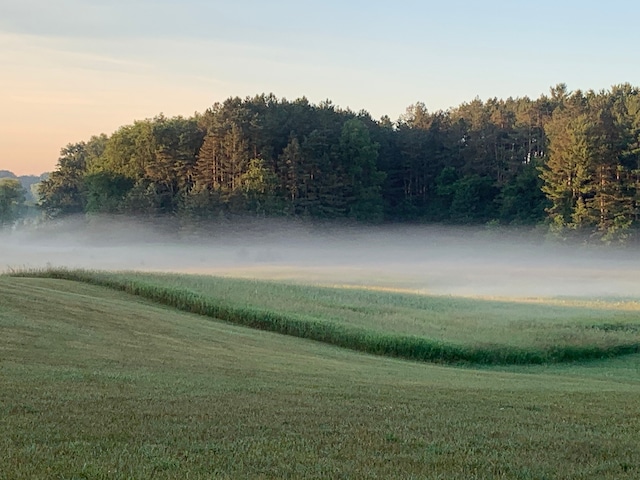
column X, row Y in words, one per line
column 409, row 347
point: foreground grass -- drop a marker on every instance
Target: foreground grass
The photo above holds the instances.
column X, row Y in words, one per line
column 100, row 384
column 441, row 329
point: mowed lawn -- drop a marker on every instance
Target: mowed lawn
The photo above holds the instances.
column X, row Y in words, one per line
column 101, row 384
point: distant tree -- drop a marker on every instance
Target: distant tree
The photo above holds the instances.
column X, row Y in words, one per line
column 130, row 150
column 27, row 182
column 419, row 159
column 321, row 190
column 473, row 200
column 259, row 185
column 105, row 192
column 202, row 205
column 63, row 192
column 291, row 161
column 521, row 201
column 588, row 176
column 363, row 181
column 12, row 197
column 445, row 191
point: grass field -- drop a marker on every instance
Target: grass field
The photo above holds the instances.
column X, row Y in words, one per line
column 418, row 327
column 98, row 383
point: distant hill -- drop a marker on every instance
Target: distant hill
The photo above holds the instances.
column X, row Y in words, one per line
column 7, row 174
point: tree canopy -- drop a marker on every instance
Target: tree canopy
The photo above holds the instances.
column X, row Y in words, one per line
column 569, row 159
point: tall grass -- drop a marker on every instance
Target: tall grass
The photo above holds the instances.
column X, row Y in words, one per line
column 412, row 347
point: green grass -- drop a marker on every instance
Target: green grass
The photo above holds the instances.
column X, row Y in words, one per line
column 417, row 327
column 96, row 383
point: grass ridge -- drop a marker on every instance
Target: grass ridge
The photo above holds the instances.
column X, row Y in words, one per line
column 408, row 347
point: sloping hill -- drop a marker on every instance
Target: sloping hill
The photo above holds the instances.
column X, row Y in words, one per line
column 415, row 327
column 101, row 384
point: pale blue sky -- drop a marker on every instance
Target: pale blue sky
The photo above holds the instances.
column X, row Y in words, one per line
column 73, row 68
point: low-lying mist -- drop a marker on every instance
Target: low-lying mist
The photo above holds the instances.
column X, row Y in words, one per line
column 425, row 259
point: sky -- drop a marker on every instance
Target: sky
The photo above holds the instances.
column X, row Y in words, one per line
column 71, row 69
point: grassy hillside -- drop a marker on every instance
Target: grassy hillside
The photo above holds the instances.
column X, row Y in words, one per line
column 418, row 327
column 100, row 384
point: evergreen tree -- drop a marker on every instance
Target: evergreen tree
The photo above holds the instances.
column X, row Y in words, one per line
column 363, row 180
column 572, row 157
column 291, row 161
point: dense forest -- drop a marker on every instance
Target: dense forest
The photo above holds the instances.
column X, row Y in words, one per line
column 570, row 160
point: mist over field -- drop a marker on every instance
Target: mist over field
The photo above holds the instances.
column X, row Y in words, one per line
column 424, row 259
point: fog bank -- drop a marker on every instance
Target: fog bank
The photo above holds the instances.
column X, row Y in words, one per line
column 424, row 259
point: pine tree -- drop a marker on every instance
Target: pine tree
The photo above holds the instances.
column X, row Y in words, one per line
column 291, row 161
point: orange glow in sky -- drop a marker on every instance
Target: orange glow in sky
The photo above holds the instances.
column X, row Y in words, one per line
column 71, row 69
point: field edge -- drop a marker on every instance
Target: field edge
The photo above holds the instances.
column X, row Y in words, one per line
column 408, row 347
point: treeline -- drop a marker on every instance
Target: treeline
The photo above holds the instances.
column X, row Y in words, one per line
column 569, row 159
